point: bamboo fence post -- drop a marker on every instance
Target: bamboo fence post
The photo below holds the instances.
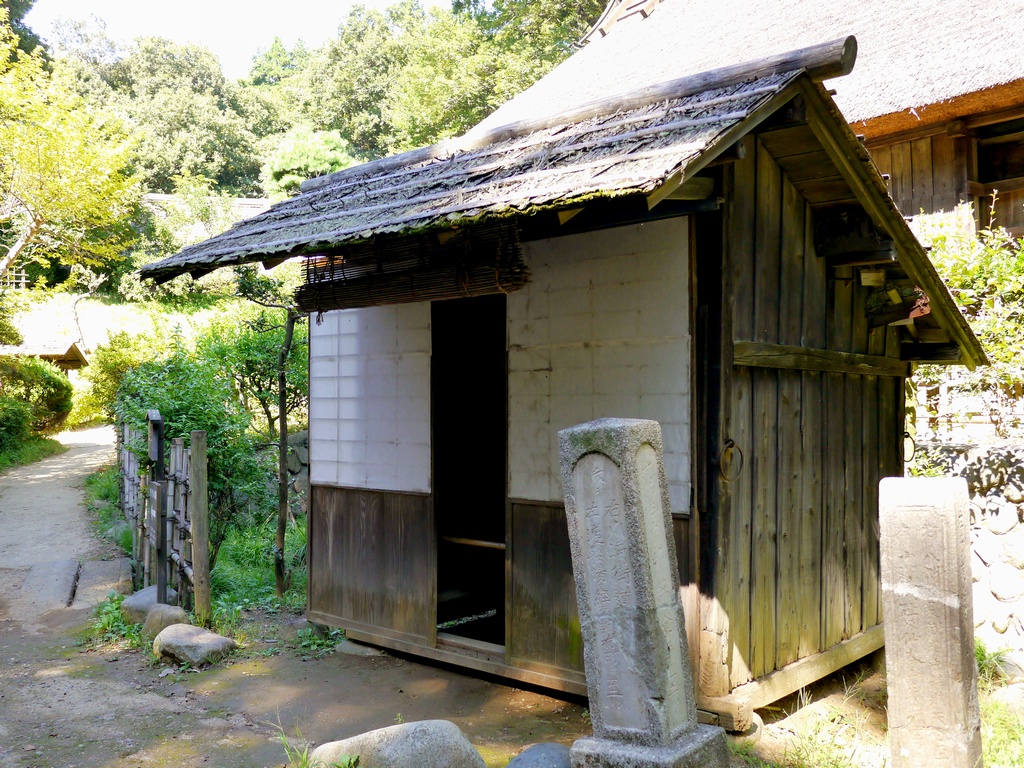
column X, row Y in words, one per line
column 200, row 508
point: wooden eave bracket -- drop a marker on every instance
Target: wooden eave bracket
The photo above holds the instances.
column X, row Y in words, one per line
column 850, row 156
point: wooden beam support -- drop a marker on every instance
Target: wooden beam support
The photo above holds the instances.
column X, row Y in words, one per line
column 809, row 669
column 755, row 354
column 852, row 158
column 921, row 352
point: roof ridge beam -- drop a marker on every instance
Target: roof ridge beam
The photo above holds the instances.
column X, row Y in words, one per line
column 821, row 62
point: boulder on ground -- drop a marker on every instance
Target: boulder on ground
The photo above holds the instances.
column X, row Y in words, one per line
column 353, row 648
column 547, row 755
column 190, row 645
column 424, row 744
column 135, row 607
column 160, row 617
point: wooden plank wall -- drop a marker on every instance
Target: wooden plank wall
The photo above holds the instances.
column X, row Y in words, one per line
column 928, row 174
column 372, row 561
column 543, row 621
column 798, row 535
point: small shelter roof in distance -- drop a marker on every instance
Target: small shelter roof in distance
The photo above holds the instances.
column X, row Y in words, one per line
column 917, row 60
column 67, row 356
column 644, row 143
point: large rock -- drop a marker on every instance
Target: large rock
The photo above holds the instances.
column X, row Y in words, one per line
column 135, row 607
column 546, row 755
column 192, row 645
column 423, row 744
column 160, row 617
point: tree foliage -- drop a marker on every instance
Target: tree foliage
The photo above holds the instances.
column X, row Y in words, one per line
column 246, row 349
column 985, row 274
column 303, row 154
column 192, row 394
column 65, row 189
column 42, row 387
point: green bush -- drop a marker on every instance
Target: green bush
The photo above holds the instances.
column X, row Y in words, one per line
column 15, row 418
column 108, row 366
column 192, row 394
column 41, row 385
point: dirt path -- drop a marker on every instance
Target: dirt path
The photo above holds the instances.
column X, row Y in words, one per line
column 66, row 704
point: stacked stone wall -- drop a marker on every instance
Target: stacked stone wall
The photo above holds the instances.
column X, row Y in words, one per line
column 995, row 479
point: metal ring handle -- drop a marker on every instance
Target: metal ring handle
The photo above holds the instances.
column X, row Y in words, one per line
column 913, row 452
column 728, row 448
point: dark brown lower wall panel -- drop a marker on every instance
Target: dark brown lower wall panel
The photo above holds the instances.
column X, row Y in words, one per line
column 544, row 625
column 372, row 560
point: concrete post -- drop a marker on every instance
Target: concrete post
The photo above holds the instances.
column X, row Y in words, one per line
column 620, row 533
column 929, row 623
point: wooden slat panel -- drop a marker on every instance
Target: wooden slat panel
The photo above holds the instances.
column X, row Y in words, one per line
column 765, row 477
column 372, row 560
column 833, row 594
column 791, row 279
column 859, row 319
column 869, row 514
column 790, row 519
column 815, row 290
column 921, row 163
column 854, row 503
column 944, row 173
column 826, row 190
column 840, row 320
column 544, row 624
column 725, row 616
column 883, row 161
column 767, row 244
column 758, row 355
column 809, row 166
column 791, row 459
column 784, row 142
column 737, row 541
column 809, row 572
column 812, row 423
column 902, row 182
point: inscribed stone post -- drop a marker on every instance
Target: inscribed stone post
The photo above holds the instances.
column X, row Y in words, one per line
column 929, row 623
column 620, row 532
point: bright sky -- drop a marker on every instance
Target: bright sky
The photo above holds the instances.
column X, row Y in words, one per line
column 233, row 29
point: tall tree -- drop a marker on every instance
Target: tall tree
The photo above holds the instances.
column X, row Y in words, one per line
column 303, row 154
column 65, row 190
column 17, row 10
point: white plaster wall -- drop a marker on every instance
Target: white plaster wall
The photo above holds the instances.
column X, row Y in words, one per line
column 369, row 391
column 601, row 330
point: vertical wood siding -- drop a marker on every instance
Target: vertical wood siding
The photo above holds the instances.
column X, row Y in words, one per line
column 928, row 174
column 372, row 561
column 797, row 546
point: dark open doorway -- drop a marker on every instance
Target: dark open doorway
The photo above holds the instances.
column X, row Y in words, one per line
column 469, row 376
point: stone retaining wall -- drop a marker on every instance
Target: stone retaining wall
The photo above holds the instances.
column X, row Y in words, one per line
column 298, row 468
column 995, row 479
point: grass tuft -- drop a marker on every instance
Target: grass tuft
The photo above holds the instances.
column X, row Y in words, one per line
column 32, row 450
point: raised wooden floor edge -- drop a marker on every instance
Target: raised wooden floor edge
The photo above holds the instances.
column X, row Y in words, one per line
column 471, row 662
column 735, row 711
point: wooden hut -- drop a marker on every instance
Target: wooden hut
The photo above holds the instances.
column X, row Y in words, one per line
column 67, row 356
column 716, row 252
column 938, row 92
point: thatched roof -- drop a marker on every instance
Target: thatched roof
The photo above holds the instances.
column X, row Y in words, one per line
column 614, row 153
column 916, row 56
column 64, row 354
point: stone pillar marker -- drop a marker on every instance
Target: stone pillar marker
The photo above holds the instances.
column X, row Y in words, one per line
column 623, row 556
column 929, row 622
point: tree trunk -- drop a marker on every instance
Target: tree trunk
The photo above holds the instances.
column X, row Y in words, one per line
column 15, row 250
column 280, row 572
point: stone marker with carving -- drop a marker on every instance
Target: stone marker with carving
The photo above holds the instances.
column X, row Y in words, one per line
column 620, row 531
column 929, row 627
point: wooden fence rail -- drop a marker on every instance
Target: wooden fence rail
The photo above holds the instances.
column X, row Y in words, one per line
column 165, row 500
